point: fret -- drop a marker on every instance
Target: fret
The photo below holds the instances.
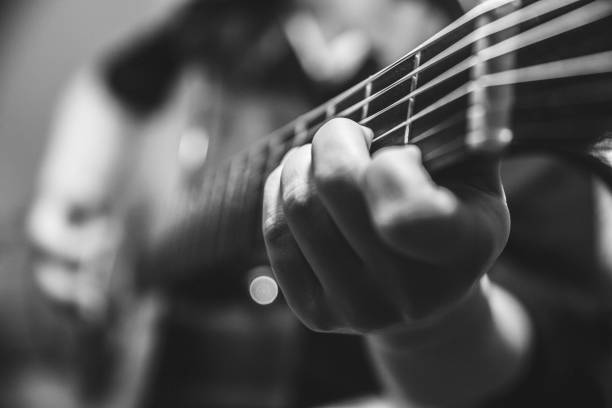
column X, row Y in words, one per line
column 252, row 204
column 191, row 234
column 211, row 222
column 387, row 112
column 229, row 213
column 316, row 119
column 365, row 110
column 300, row 133
column 277, row 147
column 245, row 179
column 413, row 84
column 233, row 196
column 350, row 104
column 488, row 129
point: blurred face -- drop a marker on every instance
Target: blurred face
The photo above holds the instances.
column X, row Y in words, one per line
column 393, row 26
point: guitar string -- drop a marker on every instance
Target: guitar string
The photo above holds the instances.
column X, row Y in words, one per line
column 461, row 23
column 580, row 66
column 578, row 18
column 507, row 22
column 581, row 17
column 547, row 3
column 537, row 34
column 466, row 90
column 571, row 21
column 567, row 22
column 533, row 73
column 521, row 75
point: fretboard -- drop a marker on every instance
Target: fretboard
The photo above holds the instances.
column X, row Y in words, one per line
column 434, row 97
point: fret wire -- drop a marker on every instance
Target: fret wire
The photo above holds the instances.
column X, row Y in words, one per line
column 447, row 148
column 502, row 79
column 247, row 176
column 300, row 133
column 467, row 64
column 461, row 22
column 232, row 173
column 582, row 16
column 464, row 66
column 411, row 102
column 261, row 166
column 330, row 111
column 509, row 21
column 366, row 106
column 465, row 89
column 451, row 97
column 211, row 220
column 203, row 209
column 215, row 213
column 458, row 69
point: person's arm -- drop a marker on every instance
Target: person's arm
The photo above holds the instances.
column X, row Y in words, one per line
column 372, row 246
column 476, row 352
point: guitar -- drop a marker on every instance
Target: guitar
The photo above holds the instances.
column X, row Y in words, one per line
column 506, row 78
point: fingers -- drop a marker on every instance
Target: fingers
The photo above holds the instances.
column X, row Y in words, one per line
column 418, row 218
column 360, row 242
column 356, row 298
column 410, row 212
column 301, row 288
column 340, row 157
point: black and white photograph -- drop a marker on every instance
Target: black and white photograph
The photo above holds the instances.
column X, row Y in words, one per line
column 305, row 203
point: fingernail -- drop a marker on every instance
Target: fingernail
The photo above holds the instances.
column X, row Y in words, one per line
column 369, row 135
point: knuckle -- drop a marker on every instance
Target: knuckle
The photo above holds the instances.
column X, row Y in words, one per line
column 297, row 193
column 275, row 229
column 298, row 199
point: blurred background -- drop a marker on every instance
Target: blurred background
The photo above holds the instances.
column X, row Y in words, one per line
column 44, row 44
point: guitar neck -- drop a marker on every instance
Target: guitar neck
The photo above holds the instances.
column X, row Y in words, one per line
column 452, row 97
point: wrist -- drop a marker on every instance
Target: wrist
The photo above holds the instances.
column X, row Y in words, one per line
column 470, row 313
column 473, row 352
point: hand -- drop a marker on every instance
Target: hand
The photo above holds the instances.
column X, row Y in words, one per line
column 359, row 244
